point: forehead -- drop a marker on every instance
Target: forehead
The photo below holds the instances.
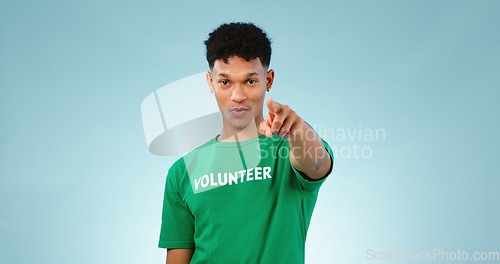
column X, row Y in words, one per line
column 237, row 67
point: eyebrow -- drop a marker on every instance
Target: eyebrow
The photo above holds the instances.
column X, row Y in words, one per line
column 227, row 76
column 252, row 74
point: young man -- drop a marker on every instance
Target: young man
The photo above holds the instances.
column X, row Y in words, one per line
column 247, row 195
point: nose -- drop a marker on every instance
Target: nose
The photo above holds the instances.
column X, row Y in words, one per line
column 238, row 94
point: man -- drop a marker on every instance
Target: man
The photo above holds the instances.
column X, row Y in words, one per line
column 247, row 195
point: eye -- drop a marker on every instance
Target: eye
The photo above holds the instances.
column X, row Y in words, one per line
column 224, row 82
column 252, row 81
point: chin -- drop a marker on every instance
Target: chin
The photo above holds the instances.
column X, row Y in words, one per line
column 240, row 123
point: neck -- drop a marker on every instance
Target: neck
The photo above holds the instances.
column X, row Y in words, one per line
column 231, row 134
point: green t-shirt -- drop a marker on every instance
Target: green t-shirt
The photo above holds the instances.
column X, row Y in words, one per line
column 239, row 202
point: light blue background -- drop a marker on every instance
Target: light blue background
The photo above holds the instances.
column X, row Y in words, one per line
column 77, row 184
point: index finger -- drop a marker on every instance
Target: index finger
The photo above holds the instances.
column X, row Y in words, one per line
column 273, row 106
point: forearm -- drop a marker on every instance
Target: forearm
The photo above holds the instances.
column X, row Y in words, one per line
column 308, row 153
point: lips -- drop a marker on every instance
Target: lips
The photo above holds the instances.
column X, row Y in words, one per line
column 238, row 111
column 239, row 108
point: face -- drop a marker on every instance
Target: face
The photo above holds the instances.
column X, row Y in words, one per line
column 240, row 87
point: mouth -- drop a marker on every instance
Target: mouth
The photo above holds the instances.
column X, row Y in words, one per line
column 239, row 109
column 239, row 112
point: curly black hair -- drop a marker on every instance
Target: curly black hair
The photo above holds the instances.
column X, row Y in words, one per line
column 244, row 40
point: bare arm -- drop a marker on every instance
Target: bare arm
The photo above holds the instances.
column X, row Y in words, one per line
column 179, row 255
column 307, row 151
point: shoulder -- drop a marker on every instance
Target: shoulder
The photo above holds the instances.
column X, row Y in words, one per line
column 179, row 167
column 198, row 149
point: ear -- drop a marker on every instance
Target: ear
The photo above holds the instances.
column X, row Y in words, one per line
column 209, row 81
column 269, row 79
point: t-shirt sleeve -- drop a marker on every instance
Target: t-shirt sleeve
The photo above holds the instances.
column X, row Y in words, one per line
column 312, row 184
column 177, row 226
